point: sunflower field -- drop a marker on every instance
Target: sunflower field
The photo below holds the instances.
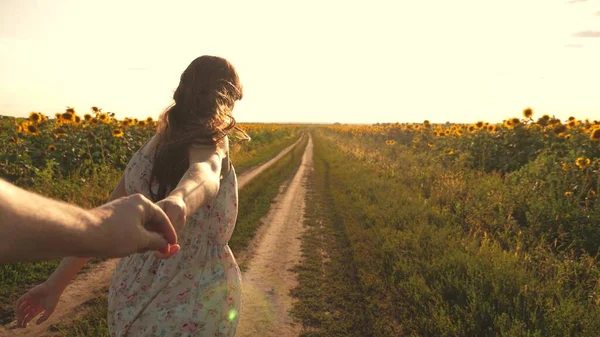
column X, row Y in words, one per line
column 476, row 229
column 71, row 145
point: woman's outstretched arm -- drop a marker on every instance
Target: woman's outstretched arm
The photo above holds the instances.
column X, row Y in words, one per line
column 198, row 186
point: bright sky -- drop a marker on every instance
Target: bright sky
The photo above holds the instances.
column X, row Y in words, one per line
column 308, row 61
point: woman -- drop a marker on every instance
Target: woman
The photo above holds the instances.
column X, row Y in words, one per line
column 186, row 168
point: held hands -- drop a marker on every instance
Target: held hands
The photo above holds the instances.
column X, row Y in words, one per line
column 130, row 225
column 175, row 209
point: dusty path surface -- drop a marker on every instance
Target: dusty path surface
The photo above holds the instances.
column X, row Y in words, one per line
column 276, row 249
column 244, row 178
column 86, row 285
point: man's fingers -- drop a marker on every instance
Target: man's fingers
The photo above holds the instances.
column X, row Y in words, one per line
column 157, row 242
column 158, row 221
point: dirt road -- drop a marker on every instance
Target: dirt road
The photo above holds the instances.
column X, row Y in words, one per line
column 86, row 285
column 276, row 249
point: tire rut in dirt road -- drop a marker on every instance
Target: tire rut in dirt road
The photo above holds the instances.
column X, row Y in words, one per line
column 247, row 176
column 267, row 283
column 86, row 285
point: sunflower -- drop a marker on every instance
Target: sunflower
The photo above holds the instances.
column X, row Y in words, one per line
column 31, row 129
column 426, row 124
column 568, row 194
column 471, row 128
column 508, row 124
column 542, row 121
column 87, row 117
column 479, row 124
column 51, row 148
column 515, row 121
column 554, row 121
column 559, row 129
column 96, row 109
column 527, row 113
column 149, row 120
column 94, row 121
column 67, row 117
column 77, row 120
column 70, row 110
column 582, row 162
column 60, row 132
column 103, row 118
column 572, row 124
column 19, row 128
column 117, row 133
column 595, row 134
column 571, row 119
column 35, row 117
column 141, row 124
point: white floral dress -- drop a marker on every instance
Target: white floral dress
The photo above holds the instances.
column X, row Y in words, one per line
column 194, row 293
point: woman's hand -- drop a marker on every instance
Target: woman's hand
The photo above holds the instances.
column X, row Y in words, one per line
column 42, row 298
column 175, row 209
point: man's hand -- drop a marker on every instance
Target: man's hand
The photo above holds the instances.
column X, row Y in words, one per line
column 130, row 225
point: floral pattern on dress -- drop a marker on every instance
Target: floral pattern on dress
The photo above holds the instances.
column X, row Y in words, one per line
column 196, row 292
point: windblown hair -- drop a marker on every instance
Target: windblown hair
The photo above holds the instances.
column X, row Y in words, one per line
column 200, row 115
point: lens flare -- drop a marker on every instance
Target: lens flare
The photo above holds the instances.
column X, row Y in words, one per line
column 232, row 314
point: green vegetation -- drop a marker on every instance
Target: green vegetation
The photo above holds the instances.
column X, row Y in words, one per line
column 439, row 252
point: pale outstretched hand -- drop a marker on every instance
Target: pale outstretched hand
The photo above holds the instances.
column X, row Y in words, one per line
column 41, row 299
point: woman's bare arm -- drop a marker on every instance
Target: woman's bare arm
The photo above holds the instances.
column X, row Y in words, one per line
column 198, row 186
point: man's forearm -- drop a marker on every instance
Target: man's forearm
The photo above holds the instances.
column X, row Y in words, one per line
column 33, row 227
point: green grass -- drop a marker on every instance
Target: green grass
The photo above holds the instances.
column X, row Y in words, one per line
column 422, row 273
column 254, row 200
column 329, row 298
column 247, row 160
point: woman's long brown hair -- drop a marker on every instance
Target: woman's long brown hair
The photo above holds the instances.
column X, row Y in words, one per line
column 201, row 114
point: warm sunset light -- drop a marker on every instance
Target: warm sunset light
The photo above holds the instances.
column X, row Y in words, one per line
column 310, row 61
